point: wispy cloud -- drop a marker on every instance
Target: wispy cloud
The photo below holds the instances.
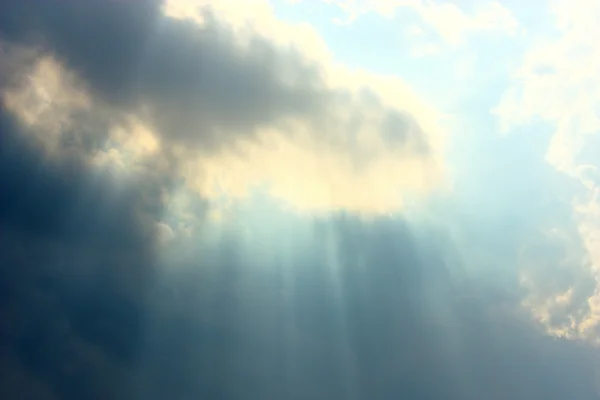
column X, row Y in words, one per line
column 446, row 19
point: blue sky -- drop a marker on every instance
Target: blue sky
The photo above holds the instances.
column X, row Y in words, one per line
column 299, row 199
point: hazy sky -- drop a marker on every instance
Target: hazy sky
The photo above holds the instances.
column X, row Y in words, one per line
column 299, row 199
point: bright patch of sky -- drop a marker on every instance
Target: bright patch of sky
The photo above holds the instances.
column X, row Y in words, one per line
column 443, row 62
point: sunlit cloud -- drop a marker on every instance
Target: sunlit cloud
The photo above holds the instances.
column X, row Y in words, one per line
column 364, row 144
column 46, row 100
column 557, row 84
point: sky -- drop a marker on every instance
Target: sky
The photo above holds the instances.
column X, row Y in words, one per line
column 292, row 199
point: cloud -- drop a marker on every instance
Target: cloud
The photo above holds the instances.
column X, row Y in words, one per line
column 448, row 20
column 556, row 85
column 73, row 206
column 452, row 24
column 235, row 110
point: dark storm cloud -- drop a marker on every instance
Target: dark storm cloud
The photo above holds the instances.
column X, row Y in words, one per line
column 62, row 198
column 70, row 323
column 76, row 259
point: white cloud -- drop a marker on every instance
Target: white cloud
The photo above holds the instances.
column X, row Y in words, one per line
column 425, row 50
column 453, row 24
column 447, row 19
column 558, row 83
column 414, row 31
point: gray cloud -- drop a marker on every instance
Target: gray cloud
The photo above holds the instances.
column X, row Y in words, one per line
column 59, row 199
column 197, row 83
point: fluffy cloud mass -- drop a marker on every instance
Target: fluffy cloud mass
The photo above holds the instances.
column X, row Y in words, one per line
column 557, row 84
column 234, row 110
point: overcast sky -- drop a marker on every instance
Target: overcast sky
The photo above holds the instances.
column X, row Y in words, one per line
column 298, row 199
